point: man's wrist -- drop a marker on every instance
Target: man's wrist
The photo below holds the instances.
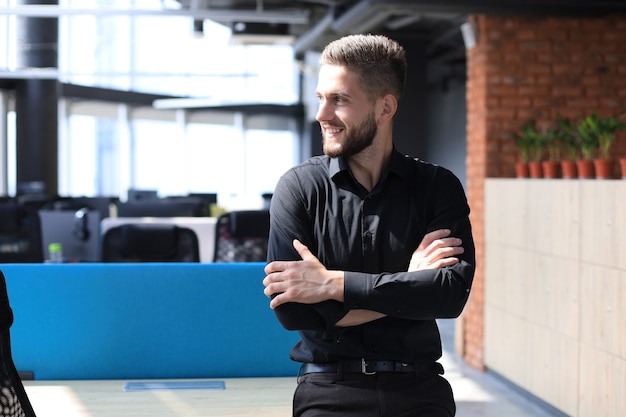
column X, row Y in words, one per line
column 337, row 285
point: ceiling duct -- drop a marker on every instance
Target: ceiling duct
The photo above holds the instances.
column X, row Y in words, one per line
column 365, row 15
column 368, row 15
column 246, row 33
column 308, row 39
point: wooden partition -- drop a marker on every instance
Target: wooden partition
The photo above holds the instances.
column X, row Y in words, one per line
column 555, row 290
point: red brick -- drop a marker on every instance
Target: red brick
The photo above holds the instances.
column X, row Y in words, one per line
column 567, row 91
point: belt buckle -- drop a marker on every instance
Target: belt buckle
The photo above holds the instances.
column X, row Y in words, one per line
column 364, row 368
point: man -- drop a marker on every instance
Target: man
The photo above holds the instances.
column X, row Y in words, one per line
column 367, row 248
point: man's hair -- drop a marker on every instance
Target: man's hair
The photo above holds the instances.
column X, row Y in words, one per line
column 379, row 62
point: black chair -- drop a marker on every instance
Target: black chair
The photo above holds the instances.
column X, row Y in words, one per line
column 14, row 401
column 20, row 233
column 150, row 242
column 241, row 236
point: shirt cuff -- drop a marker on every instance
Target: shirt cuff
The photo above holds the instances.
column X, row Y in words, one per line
column 357, row 287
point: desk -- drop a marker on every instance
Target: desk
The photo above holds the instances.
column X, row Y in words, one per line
column 204, row 227
column 242, row 397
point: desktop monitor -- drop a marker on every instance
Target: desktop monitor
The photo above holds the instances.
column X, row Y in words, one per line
column 207, row 198
column 135, row 195
column 204, row 201
column 78, row 231
column 102, row 204
column 160, row 209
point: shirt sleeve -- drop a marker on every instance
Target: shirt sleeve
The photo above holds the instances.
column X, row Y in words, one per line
column 289, row 220
column 426, row 294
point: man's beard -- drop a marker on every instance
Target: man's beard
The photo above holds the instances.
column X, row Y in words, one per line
column 356, row 140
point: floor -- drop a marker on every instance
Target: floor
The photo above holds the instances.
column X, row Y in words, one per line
column 477, row 395
column 481, row 394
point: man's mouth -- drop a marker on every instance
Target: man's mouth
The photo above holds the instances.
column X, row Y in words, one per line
column 333, row 130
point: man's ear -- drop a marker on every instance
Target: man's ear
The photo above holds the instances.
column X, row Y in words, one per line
column 387, row 107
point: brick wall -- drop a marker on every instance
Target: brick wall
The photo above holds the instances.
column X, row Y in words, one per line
column 531, row 68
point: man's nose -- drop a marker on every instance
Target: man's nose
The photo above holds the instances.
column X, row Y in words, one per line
column 323, row 112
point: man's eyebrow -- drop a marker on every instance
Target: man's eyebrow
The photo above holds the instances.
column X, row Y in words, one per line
column 342, row 93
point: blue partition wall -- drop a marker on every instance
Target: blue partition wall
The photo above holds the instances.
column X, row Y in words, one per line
column 134, row 321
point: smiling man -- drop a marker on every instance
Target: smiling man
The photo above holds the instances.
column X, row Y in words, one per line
column 367, row 249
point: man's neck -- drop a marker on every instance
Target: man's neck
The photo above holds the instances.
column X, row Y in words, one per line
column 368, row 166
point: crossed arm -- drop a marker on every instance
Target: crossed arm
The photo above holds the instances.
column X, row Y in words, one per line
column 309, row 282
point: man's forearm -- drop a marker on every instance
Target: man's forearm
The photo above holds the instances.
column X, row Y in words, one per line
column 357, row 317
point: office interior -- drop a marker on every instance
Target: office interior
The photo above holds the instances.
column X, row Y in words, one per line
column 114, row 133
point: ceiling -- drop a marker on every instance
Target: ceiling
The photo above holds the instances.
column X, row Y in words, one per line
column 311, row 24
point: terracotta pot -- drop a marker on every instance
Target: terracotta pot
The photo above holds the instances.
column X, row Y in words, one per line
column 603, row 168
column 535, row 169
column 622, row 165
column 521, row 170
column 585, row 168
column 568, row 168
column 550, row 169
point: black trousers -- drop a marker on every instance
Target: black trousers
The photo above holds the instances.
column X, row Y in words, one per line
column 378, row 395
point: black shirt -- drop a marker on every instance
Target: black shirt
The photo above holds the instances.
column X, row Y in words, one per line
column 371, row 236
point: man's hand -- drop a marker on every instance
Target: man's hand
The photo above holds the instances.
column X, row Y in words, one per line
column 436, row 250
column 306, row 281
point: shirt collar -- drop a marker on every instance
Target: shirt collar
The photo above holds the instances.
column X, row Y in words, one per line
column 337, row 165
column 396, row 166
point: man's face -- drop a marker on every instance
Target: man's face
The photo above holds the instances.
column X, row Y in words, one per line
column 345, row 114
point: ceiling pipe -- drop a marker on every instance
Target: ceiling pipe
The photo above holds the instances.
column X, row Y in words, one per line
column 309, row 38
column 362, row 17
column 368, row 14
column 362, row 11
column 402, row 21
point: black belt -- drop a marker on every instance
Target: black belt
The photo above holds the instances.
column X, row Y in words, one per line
column 363, row 366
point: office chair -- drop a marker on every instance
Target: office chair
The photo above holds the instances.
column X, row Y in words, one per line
column 150, row 242
column 20, row 233
column 14, row 401
column 241, row 236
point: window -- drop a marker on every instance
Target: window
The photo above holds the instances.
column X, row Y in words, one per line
column 106, row 149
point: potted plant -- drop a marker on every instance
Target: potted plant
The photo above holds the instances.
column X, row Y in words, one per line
column 551, row 141
column 599, row 133
column 565, row 133
column 530, row 145
column 523, row 144
column 588, row 143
